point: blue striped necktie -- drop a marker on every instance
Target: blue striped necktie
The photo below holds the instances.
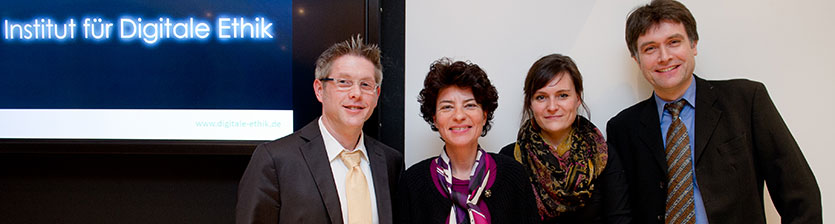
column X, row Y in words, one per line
column 680, row 207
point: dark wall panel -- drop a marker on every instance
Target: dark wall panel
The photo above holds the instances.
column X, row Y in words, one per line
column 60, row 188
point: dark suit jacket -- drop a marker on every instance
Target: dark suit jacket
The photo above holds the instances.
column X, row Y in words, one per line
column 289, row 180
column 740, row 142
column 608, row 203
column 510, row 198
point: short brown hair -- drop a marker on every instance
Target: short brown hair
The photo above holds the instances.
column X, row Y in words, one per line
column 445, row 73
column 543, row 71
column 354, row 46
column 645, row 17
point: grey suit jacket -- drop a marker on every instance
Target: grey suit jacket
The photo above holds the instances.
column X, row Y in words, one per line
column 289, row 180
column 741, row 143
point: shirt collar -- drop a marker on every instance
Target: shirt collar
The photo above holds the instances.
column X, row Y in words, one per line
column 689, row 95
column 334, row 148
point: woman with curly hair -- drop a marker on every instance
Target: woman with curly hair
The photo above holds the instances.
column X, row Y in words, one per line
column 464, row 184
column 574, row 176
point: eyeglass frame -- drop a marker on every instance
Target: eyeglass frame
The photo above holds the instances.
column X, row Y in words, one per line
column 340, row 84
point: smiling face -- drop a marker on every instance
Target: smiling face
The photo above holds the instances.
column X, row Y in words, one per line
column 554, row 107
column 666, row 57
column 347, row 109
column 458, row 117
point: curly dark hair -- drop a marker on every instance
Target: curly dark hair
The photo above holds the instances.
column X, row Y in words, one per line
column 445, row 73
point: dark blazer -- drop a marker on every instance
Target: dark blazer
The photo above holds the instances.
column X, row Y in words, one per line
column 510, row 198
column 609, row 202
column 740, row 143
column 289, row 180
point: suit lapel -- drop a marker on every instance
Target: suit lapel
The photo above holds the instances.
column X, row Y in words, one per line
column 317, row 162
column 379, row 173
column 651, row 133
column 707, row 116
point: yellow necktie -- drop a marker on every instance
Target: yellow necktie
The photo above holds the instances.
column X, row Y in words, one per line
column 359, row 200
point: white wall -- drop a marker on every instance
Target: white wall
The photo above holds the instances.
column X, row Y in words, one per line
column 784, row 44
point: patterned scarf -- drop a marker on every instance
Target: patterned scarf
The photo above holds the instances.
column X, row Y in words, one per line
column 562, row 183
column 465, row 209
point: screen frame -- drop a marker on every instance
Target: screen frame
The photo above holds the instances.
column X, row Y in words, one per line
column 306, row 107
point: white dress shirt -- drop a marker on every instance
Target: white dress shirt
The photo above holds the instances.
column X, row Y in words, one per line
column 340, row 171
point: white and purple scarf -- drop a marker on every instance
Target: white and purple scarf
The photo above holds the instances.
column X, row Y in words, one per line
column 466, row 209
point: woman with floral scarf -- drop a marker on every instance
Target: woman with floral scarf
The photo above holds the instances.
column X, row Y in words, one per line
column 464, row 184
column 574, row 177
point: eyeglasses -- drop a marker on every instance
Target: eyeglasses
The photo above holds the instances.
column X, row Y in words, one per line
column 346, row 84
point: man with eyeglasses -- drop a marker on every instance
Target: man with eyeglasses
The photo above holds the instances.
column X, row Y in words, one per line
column 328, row 171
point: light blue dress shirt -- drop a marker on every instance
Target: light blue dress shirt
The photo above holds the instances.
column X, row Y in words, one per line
column 688, row 117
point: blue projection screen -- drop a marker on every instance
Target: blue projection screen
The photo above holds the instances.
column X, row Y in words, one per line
column 151, row 69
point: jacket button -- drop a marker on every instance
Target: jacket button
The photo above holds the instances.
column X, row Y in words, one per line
column 660, row 218
column 661, row 184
